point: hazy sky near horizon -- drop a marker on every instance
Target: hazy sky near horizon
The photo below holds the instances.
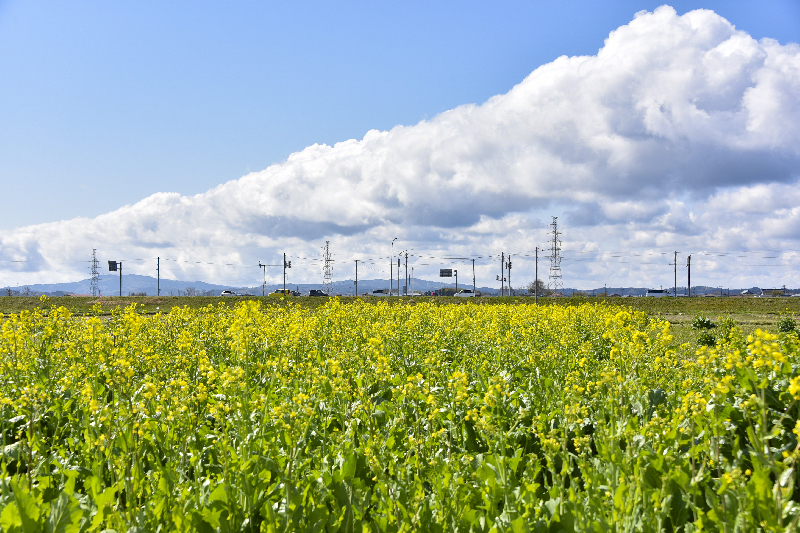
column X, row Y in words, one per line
column 129, row 128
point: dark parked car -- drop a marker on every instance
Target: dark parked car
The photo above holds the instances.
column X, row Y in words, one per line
column 315, row 292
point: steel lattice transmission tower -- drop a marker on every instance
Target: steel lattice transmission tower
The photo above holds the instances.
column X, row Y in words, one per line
column 95, row 281
column 555, row 283
column 327, row 270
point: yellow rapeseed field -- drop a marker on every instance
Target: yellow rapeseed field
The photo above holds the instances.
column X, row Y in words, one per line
column 364, row 417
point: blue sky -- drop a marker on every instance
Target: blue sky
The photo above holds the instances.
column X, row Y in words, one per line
column 103, row 105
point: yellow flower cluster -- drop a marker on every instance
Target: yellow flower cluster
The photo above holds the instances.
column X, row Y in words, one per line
column 285, row 403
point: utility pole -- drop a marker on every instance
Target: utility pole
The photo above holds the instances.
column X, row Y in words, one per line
column 158, row 274
column 508, row 266
column 286, row 264
column 473, row 278
column 689, row 274
column 456, row 273
column 356, row 277
column 405, row 289
column 502, row 273
column 675, row 267
column 398, row 275
column 391, row 261
column 536, row 280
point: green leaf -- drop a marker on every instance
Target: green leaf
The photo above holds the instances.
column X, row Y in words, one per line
column 29, row 509
column 762, row 485
column 348, row 468
column 652, row 477
column 268, row 525
column 786, row 477
column 519, row 525
column 10, row 520
column 12, row 452
column 619, row 497
column 219, row 494
column 65, row 516
column 107, row 496
column 211, row 516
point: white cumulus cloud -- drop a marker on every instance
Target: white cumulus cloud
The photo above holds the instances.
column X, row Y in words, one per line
column 682, row 133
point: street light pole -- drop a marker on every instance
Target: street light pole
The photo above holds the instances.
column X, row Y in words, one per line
column 263, row 285
column 113, row 266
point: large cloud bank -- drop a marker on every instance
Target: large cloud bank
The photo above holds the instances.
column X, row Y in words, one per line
column 682, row 133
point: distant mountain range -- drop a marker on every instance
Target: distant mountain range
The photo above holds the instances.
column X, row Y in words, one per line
column 133, row 284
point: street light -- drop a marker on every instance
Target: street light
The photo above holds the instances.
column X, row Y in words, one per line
column 264, row 286
column 391, row 260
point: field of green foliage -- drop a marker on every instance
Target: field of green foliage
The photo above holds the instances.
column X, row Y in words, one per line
column 355, row 416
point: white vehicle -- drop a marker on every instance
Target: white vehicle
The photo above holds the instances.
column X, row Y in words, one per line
column 380, row 292
column 228, row 293
column 657, row 293
column 465, row 293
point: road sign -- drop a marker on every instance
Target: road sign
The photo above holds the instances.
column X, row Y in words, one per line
column 445, row 272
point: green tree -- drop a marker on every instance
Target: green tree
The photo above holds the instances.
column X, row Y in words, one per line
column 538, row 288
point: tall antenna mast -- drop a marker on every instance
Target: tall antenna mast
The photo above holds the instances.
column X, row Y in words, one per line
column 555, row 258
column 95, row 281
column 327, row 270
